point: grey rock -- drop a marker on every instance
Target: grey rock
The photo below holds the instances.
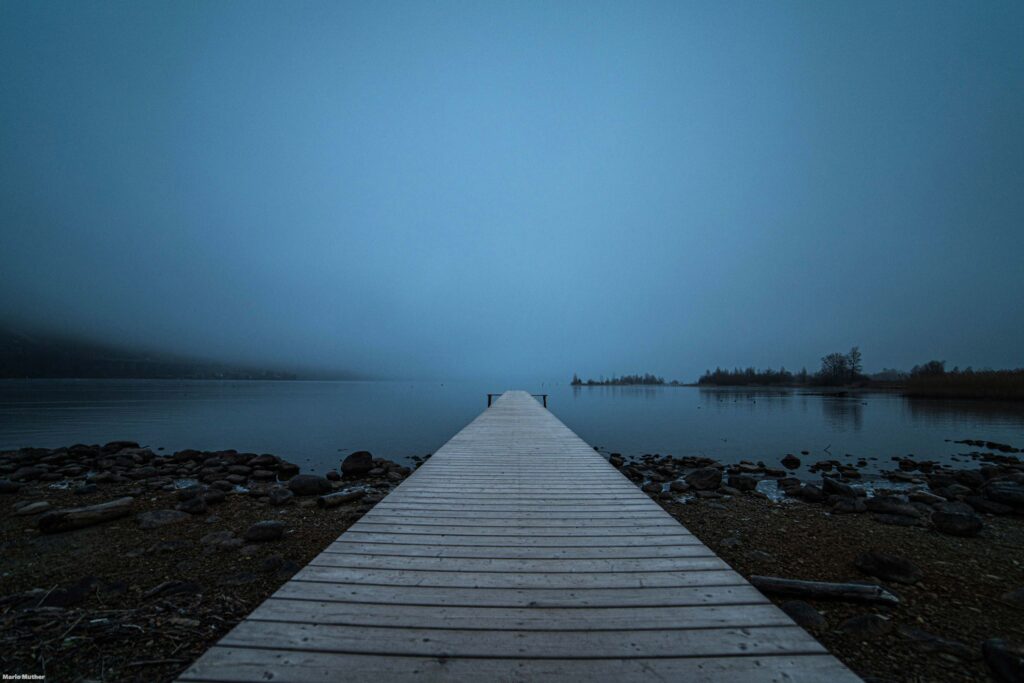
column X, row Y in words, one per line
column 309, row 485
column 866, row 626
column 357, row 464
column 287, row 470
column 7, row 487
column 803, row 614
column 891, row 505
column 1006, row 661
column 791, row 462
column 221, row 539
column 848, row 505
column 742, row 482
column 929, row 642
column 986, row 506
column 926, row 497
column 888, row 567
column 279, row 495
column 27, row 473
column 267, row 530
column 811, row 493
column 788, row 485
column 705, row 478
column 953, row 519
column 833, row 486
column 1006, row 492
column 35, row 508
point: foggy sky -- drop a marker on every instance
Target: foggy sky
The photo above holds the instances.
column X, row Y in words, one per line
column 518, row 189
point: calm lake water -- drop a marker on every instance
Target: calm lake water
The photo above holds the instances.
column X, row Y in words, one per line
column 316, row 423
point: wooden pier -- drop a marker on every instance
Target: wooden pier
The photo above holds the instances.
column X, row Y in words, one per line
column 517, row 553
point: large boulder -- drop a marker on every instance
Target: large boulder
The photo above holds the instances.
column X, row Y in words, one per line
column 888, row 567
column 742, row 482
column 1006, row 492
column 705, row 479
column 835, row 487
column 357, row 464
column 810, row 493
column 309, row 485
column 956, row 519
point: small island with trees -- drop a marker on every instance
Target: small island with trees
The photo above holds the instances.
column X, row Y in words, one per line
column 846, row 370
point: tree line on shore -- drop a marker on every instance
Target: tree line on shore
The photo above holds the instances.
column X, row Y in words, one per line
column 837, row 369
column 624, row 380
column 928, row 380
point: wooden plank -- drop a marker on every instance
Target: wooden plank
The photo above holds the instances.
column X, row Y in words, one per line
column 743, row 594
column 548, row 553
column 720, row 642
column 244, row 665
column 541, row 523
column 517, row 553
column 531, row 515
column 573, row 541
column 426, row 578
column 518, row 619
column 518, row 530
column 521, row 565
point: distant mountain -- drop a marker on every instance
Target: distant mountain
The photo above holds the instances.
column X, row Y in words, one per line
column 40, row 355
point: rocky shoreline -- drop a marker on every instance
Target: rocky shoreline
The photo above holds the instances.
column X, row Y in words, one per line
column 941, row 548
column 119, row 564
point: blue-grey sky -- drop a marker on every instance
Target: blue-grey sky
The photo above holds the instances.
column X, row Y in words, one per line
column 518, row 189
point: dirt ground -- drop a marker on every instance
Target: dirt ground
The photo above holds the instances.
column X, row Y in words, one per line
column 99, row 612
column 960, row 597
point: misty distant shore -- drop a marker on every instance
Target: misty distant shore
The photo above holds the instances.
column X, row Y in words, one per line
column 43, row 356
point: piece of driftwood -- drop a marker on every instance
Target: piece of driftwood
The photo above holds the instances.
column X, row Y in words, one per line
column 823, row 590
column 332, row 500
column 76, row 518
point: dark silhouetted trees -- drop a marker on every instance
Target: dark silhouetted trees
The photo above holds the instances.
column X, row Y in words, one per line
column 746, row 377
column 624, row 380
column 840, row 368
column 931, row 380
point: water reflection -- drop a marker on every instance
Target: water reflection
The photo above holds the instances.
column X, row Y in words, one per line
column 316, row 423
column 843, row 413
column 934, row 411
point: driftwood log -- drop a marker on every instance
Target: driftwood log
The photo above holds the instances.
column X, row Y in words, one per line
column 822, row 590
column 76, row 518
column 332, row 500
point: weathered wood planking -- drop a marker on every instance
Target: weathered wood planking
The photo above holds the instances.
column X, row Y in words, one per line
column 517, row 553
